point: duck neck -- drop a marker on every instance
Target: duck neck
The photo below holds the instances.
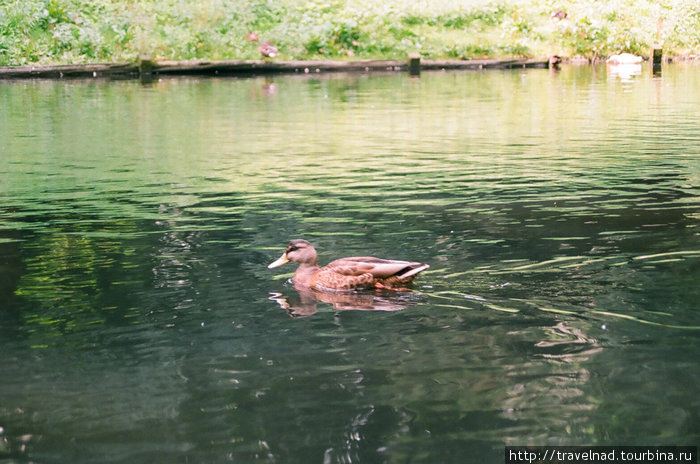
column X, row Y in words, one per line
column 304, row 272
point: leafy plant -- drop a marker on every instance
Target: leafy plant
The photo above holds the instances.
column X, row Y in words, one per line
column 82, row 31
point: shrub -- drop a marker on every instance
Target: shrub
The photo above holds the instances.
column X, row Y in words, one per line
column 60, row 31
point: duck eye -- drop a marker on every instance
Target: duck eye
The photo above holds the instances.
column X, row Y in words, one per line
column 292, row 248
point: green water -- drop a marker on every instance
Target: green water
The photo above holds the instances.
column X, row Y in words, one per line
column 559, row 213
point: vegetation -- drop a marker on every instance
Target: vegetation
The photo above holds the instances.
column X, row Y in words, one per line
column 84, row 31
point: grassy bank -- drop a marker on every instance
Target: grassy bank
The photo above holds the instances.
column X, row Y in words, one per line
column 86, row 31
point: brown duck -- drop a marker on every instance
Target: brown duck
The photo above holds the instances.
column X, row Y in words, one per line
column 268, row 50
column 357, row 272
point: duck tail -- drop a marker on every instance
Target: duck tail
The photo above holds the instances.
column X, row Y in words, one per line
column 410, row 271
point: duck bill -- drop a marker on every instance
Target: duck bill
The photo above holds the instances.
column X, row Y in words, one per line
column 283, row 260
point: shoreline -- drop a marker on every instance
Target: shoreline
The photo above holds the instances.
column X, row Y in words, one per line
column 146, row 68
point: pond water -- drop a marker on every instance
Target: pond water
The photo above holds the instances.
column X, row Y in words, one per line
column 559, row 212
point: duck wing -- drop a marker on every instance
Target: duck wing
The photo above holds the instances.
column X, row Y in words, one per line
column 364, row 272
column 342, row 276
column 377, row 267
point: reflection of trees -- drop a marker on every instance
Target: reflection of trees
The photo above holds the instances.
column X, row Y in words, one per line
column 68, row 281
column 11, row 270
column 11, row 267
column 74, row 273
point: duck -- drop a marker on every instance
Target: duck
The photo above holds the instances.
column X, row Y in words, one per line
column 554, row 61
column 559, row 14
column 346, row 274
column 268, row 50
column 624, row 58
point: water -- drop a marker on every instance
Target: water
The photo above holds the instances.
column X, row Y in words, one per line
column 559, row 213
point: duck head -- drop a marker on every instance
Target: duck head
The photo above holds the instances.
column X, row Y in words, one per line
column 297, row 251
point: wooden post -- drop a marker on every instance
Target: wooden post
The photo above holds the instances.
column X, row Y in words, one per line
column 414, row 64
column 146, row 69
column 145, row 64
column 656, row 58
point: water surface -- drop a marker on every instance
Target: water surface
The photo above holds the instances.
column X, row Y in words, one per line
column 559, row 212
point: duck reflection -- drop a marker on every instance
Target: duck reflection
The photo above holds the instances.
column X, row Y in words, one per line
column 304, row 301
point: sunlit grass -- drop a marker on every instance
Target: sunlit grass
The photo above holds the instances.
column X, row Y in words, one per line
column 81, row 31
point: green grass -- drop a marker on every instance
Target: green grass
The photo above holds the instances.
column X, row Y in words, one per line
column 85, row 31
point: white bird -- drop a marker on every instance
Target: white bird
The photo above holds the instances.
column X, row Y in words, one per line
column 625, row 58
